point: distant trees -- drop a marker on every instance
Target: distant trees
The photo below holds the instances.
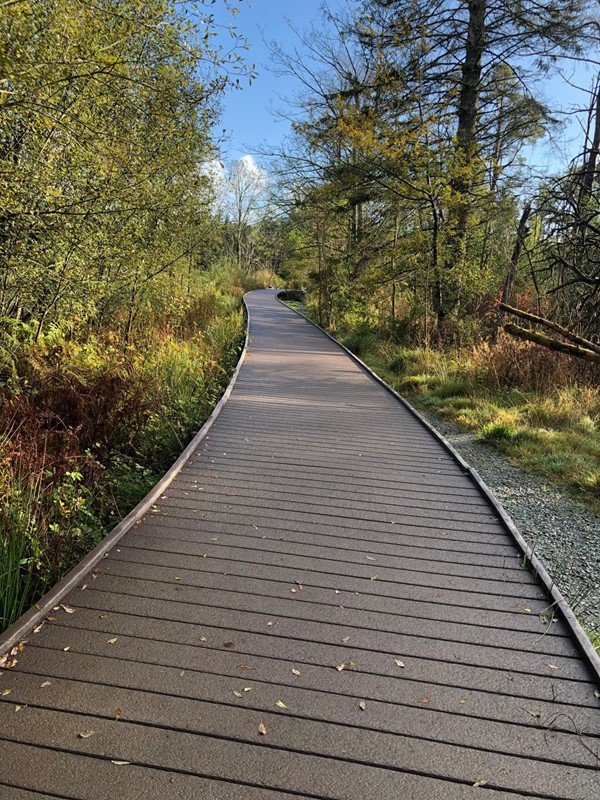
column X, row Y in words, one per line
column 407, row 154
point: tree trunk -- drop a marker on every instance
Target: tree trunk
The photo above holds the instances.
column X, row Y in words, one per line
column 466, row 147
column 522, row 231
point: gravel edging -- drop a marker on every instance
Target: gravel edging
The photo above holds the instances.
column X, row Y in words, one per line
column 564, row 535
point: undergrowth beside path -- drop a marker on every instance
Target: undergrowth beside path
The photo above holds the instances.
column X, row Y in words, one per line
column 512, row 397
column 89, row 423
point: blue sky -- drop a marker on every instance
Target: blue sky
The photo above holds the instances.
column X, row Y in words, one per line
column 248, row 113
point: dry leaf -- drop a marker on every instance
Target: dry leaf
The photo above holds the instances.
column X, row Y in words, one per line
column 177, row 579
column 182, row 673
column 118, row 713
column 39, row 628
column 340, row 667
column 113, row 640
column 86, row 734
column 67, row 609
column 44, row 684
column 399, row 663
column 480, row 783
column 237, row 694
column 66, row 649
column 269, row 624
column 552, row 666
column 533, row 713
column 5, row 692
column 203, row 639
column 295, row 672
column 597, row 693
column 337, row 591
column 19, row 649
column 262, row 730
column 346, row 639
column 246, row 666
column 425, row 700
column 280, row 704
column 120, row 763
column 371, row 558
column 103, row 616
column 247, row 688
column 18, row 708
column 362, row 705
column 374, row 577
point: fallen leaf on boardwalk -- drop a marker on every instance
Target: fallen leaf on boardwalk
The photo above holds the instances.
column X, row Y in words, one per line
column 262, row 730
column 293, row 591
column 103, row 616
column 118, row 713
column 337, row 591
column 399, row 663
column 55, row 608
column 18, row 708
column 533, row 713
column 120, row 763
column 527, row 610
column 177, row 579
column 86, row 734
column 480, row 783
column 84, row 587
column 19, row 648
column 340, row 667
column 238, row 694
column 362, row 705
column 280, row 704
column 182, row 673
column 269, row 624
column 5, row 692
column 463, row 701
column 246, row 666
column 229, row 645
column 66, row 649
column 371, row 558
column 203, row 639
column 67, row 609
column 50, row 619
column 425, row 700
column 374, row 577
column 247, row 688
column 346, row 639
column 597, row 693
column 44, row 684
column 113, row 640
column 39, row 628
column 552, row 666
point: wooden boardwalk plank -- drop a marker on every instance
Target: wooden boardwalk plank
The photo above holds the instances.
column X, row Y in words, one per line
column 324, row 567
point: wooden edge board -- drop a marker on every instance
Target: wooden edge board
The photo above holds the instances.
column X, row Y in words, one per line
column 21, row 627
column 538, row 569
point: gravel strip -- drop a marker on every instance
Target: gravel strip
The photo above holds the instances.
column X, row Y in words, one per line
column 564, row 535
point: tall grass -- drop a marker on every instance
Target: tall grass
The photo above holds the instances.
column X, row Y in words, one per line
column 542, row 409
column 90, row 423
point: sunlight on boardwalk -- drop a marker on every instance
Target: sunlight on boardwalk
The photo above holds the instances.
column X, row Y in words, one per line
column 322, row 605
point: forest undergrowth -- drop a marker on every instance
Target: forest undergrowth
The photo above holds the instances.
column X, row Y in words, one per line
column 89, row 423
column 539, row 408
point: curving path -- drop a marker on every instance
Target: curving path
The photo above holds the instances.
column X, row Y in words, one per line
column 322, row 604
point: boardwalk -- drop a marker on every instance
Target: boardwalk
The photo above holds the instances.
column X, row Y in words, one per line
column 322, row 604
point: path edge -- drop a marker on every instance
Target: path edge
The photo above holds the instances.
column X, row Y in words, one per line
column 19, row 629
column 537, row 567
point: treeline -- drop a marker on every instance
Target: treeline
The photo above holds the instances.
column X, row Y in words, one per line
column 120, row 312
column 405, row 186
